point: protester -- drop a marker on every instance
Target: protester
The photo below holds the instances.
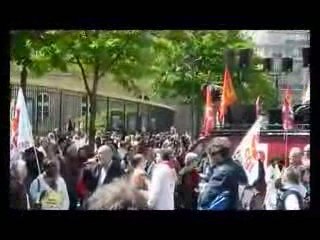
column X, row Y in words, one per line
column 103, row 171
column 118, row 195
column 272, row 174
column 125, row 162
column 52, row 138
column 164, row 177
column 291, row 193
column 139, row 177
column 305, row 180
column 306, row 156
column 18, row 196
column 151, row 161
column 98, row 143
column 43, row 146
column 295, row 157
column 225, row 178
column 188, row 183
column 253, row 195
column 122, row 149
column 49, row 191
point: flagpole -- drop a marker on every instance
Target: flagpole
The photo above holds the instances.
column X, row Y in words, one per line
column 286, row 147
column 37, row 160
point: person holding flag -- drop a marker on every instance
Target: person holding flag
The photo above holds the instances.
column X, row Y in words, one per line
column 21, row 131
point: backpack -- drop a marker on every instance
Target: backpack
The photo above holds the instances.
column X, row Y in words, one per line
column 283, row 194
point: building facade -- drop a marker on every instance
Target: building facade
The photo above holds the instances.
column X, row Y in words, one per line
column 51, row 108
column 286, row 43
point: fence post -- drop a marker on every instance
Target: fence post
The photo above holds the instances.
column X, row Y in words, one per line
column 108, row 114
column 124, row 116
column 60, row 112
column 137, row 117
column 37, row 93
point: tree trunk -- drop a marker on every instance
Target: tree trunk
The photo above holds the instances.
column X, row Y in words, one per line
column 92, row 122
column 23, row 79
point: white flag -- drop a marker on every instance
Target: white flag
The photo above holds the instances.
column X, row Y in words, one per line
column 21, row 130
column 247, row 152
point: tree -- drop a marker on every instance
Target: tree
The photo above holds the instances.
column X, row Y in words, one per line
column 23, row 46
column 126, row 54
column 197, row 57
column 189, row 59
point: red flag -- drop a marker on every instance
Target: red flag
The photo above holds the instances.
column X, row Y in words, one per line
column 208, row 121
column 228, row 96
column 287, row 113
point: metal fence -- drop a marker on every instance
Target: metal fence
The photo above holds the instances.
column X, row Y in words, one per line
column 51, row 108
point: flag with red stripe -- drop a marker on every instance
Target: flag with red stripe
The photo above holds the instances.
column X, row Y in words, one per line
column 208, row 121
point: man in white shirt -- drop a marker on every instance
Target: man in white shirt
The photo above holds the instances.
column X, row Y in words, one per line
column 161, row 192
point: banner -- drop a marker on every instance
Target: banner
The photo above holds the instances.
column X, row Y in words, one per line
column 21, row 130
column 247, row 151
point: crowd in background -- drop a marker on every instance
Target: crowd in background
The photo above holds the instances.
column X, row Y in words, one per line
column 155, row 171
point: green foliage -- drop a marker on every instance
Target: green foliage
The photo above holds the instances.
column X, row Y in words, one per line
column 188, row 59
column 24, row 51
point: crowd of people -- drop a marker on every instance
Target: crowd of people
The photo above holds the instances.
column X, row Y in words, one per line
column 148, row 171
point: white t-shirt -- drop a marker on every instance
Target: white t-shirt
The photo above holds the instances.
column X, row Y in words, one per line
column 161, row 192
column 272, row 174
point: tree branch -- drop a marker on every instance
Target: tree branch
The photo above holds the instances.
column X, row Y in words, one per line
column 83, row 73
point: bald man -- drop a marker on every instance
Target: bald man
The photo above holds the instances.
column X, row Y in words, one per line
column 102, row 172
column 295, row 157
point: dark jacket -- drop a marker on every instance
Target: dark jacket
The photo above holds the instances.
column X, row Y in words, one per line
column 188, row 180
column 226, row 176
column 17, row 195
column 252, row 197
column 91, row 175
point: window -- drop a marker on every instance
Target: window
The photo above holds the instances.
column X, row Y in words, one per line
column 43, row 106
column 84, row 106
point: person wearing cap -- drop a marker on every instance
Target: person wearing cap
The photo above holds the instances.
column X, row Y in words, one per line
column 225, row 178
column 188, row 182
